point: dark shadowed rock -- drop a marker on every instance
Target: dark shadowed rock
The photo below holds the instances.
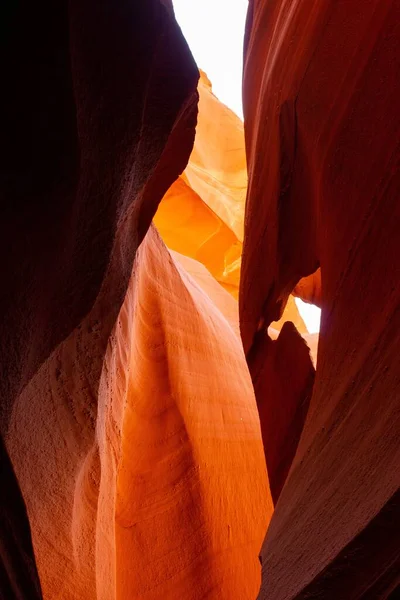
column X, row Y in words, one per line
column 98, row 115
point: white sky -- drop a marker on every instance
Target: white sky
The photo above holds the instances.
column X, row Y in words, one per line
column 214, row 31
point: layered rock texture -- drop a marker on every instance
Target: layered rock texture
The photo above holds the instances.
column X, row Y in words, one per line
column 154, row 430
column 129, row 413
column 322, row 138
column 164, row 488
column 202, row 214
column 98, row 119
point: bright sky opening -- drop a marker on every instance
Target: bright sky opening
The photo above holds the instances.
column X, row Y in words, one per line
column 214, row 31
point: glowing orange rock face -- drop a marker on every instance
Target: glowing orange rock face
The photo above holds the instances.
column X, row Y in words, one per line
column 202, row 214
column 190, row 227
column 157, row 488
column 322, row 134
column 194, row 496
column 309, row 288
column 136, row 440
column 217, row 166
column 202, row 217
column 86, row 157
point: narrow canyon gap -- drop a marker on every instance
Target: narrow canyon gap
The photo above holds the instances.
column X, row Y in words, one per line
column 158, row 428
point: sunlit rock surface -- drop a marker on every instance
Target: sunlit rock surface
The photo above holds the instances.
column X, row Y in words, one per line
column 309, row 289
column 163, row 489
column 133, row 431
column 202, row 214
column 98, row 119
column 150, row 429
column 202, row 217
column 322, row 133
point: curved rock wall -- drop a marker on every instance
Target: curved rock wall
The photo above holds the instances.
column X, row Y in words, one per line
column 155, row 484
column 148, row 446
column 98, row 119
column 322, row 137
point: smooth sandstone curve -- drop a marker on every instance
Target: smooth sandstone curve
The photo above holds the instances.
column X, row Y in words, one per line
column 98, row 119
column 163, row 491
column 322, row 137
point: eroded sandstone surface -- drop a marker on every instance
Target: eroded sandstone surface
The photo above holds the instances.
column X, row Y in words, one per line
column 322, row 138
column 162, row 407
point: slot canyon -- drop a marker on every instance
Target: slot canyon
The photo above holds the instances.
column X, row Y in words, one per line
column 170, row 426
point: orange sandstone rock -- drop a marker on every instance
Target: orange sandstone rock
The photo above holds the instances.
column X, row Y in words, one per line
column 225, row 302
column 322, row 138
column 217, row 166
column 154, row 485
column 309, row 288
column 202, row 214
column 98, row 115
column 190, row 227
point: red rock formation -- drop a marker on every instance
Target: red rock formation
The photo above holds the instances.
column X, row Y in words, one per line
column 202, row 214
column 309, row 288
column 126, row 403
column 18, row 573
column 135, row 436
column 190, row 227
column 161, row 490
column 322, row 130
column 98, row 110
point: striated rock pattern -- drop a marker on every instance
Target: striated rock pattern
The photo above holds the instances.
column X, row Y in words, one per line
column 149, row 424
column 322, row 137
column 133, row 432
column 98, row 118
column 202, row 217
column 161, row 489
column 202, row 214
column 188, row 226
